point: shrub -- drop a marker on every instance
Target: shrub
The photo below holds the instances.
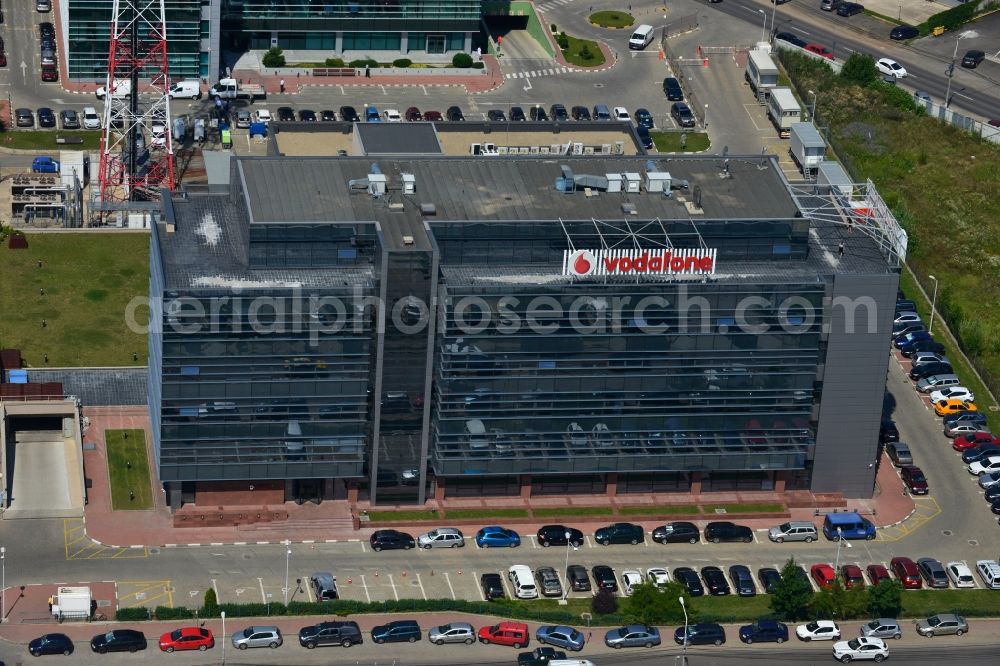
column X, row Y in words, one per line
column 334, row 62
column 562, row 40
column 604, row 602
column 553, row 28
column 211, row 605
column 135, row 614
column 478, row 65
column 860, row 69
column 461, row 60
column 177, row 613
column 274, row 57
column 955, row 17
column 402, row 62
column 363, row 62
column 585, row 53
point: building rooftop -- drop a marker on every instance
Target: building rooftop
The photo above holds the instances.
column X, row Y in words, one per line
column 398, row 138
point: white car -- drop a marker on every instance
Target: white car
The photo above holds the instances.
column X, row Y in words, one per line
column 392, row 116
column 953, row 393
column 818, row 630
column 262, row 116
column 890, row 66
column 90, row 118
column 907, row 318
column 442, row 537
column 658, row 576
column 861, row 648
column 630, row 578
column 960, row 574
column 989, row 480
column 159, row 135
column 621, row 113
column 985, row 466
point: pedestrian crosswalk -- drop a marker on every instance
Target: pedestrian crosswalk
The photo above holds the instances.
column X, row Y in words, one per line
column 539, row 72
column 546, row 6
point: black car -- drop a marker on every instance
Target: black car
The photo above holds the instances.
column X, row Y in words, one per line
column 982, row 451
column 620, row 533
column 681, row 113
column 724, row 531
column 391, row 540
column 995, row 502
column 769, row 578
column 558, row 112
column 905, row 305
column 850, row 9
column 345, row 634
column 556, row 535
column 496, row 115
column 118, row 640
column 643, row 118
column 24, row 118
column 576, row 575
column 397, row 631
column 764, row 631
column 791, row 39
column 70, row 119
column 742, row 580
column 923, row 345
column 972, row 58
column 965, row 416
column 540, row 656
column 307, row 115
column 645, row 139
column 687, row 577
column 604, row 577
column 704, row 633
column 51, row 644
column 901, row 32
column 454, row 114
column 930, row 369
column 492, row 586
column 46, row 30
column 349, row 114
column 517, row 114
column 672, row 89
column 537, row 113
column 46, row 117
column 715, row 581
column 992, row 494
column 286, row 113
column 580, row 113
column 888, row 432
column 327, row 115
column 677, row 532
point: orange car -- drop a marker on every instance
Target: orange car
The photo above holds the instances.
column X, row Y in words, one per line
column 946, row 407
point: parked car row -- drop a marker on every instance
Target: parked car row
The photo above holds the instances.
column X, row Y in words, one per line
column 47, row 48
column 68, row 118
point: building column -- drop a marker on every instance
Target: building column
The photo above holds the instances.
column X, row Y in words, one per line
column 174, row 495
column 695, row 483
column 439, row 489
column 328, row 492
column 525, row 486
column 338, row 46
column 779, row 481
column 289, row 490
column 352, row 491
column 611, row 484
column 404, row 42
column 468, row 42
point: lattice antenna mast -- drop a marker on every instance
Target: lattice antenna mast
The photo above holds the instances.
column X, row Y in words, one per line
column 137, row 157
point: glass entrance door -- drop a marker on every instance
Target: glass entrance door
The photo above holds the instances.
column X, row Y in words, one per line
column 435, row 43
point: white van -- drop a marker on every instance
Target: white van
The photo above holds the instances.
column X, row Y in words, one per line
column 989, row 571
column 571, row 662
column 641, row 38
column 123, row 88
column 189, row 89
column 522, row 581
column 90, row 118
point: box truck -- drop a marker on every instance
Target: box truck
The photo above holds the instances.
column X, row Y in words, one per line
column 761, row 74
column 808, row 148
column 783, row 110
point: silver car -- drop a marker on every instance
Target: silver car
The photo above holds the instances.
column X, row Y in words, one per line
column 883, row 627
column 442, row 537
column 633, row 635
column 942, row 624
column 453, row 632
column 257, row 637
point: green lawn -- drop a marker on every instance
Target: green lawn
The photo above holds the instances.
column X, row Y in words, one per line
column 485, row 514
column 670, row 142
column 46, row 139
column 131, row 489
column 389, row 516
column 569, row 511
column 574, row 52
column 745, row 508
column 974, row 603
column 656, row 510
column 612, row 19
column 88, row 280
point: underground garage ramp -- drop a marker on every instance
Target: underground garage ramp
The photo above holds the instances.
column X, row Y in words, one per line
column 46, row 464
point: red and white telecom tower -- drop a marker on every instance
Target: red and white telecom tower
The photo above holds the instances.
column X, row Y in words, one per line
column 137, row 157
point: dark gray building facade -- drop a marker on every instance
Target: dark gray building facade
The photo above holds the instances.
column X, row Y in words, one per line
column 454, row 327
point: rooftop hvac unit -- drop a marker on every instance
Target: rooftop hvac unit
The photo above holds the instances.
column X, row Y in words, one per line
column 476, row 149
column 501, row 150
column 588, row 150
column 556, row 149
column 523, row 150
column 534, row 150
column 657, row 181
column 606, row 149
column 376, row 184
column 619, row 147
column 409, row 183
column 631, row 182
column 614, row 182
column 578, row 149
column 489, row 148
column 544, row 150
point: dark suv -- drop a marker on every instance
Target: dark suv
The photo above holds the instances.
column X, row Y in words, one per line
column 119, row 640
column 492, row 586
column 701, row 634
column 558, row 112
column 764, row 631
column 578, row 579
column 391, row 540
column 850, row 9
column 730, row 532
column 330, row 633
column 678, row 532
column 672, row 89
column 604, row 576
column 555, row 535
column 398, row 631
column 681, row 113
column 930, row 369
column 620, row 533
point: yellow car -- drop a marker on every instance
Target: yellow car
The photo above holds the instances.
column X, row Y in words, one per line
column 946, row 407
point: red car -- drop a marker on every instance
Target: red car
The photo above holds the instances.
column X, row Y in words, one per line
column 50, row 73
column 434, row 116
column 907, row 572
column 877, row 573
column 823, row 574
column 187, row 638
column 966, row 442
column 413, row 114
column 514, row 634
column 915, row 480
column 851, row 573
column 819, row 50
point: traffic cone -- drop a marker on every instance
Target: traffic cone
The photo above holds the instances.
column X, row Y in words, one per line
column 661, row 53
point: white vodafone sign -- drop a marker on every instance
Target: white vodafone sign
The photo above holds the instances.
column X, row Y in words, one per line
column 582, row 263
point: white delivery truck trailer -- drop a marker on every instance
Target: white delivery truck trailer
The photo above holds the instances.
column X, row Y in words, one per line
column 808, row 148
column 761, row 74
column 783, row 110
column 71, row 603
column 233, row 89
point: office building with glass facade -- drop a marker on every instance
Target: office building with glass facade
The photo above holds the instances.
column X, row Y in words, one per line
column 451, row 327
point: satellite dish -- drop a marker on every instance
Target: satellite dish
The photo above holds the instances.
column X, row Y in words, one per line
column 697, row 196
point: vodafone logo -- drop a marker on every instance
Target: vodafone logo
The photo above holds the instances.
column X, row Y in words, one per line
column 581, row 263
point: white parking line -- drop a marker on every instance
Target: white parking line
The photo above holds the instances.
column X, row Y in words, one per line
column 586, row 538
column 755, row 537
column 447, row 579
column 263, row 596
column 215, row 586
column 534, row 541
column 507, row 592
column 393, row 583
column 365, row 585
column 421, row 584
column 363, row 549
column 475, row 577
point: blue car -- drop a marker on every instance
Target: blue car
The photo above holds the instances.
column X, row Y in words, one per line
column 44, row 164
column 561, row 636
column 372, row 115
column 764, row 631
column 900, row 341
column 495, row 536
column 643, row 133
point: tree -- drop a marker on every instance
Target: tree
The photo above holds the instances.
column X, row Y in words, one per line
column 461, row 60
column 792, row 594
column 211, row 607
column 653, row 605
column 885, row 599
column 836, row 603
column 274, row 57
column 604, row 602
column 860, row 68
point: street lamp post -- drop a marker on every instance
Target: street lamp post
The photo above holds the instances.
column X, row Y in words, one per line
column 288, row 556
column 3, row 584
column 968, row 34
column 774, row 10
column 930, row 329
column 763, row 28
column 812, row 110
column 569, row 543
column 840, row 542
column 223, row 638
column 684, row 645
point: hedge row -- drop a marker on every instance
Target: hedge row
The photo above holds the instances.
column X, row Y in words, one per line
column 956, row 17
